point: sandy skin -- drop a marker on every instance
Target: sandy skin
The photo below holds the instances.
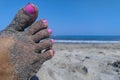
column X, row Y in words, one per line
column 22, row 52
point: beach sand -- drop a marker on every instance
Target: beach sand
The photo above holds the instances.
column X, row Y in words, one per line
column 83, row 62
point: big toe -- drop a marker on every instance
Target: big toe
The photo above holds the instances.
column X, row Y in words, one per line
column 24, row 18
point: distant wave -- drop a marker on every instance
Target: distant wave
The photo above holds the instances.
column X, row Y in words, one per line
column 84, row 41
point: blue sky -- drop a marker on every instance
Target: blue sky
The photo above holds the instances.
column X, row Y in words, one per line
column 70, row 17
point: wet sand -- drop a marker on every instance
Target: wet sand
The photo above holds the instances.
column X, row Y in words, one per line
column 83, row 62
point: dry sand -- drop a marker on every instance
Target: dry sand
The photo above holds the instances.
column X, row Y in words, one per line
column 83, row 62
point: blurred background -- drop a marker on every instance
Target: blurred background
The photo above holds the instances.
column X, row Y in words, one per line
column 70, row 17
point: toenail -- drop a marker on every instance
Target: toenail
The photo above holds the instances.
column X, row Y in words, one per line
column 52, row 40
column 50, row 31
column 30, row 8
column 51, row 53
column 44, row 21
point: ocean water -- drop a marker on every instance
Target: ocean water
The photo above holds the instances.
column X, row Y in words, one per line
column 86, row 39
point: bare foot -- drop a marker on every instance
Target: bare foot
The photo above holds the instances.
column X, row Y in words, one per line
column 22, row 49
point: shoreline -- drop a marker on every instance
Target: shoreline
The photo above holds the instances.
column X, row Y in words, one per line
column 87, row 45
column 87, row 41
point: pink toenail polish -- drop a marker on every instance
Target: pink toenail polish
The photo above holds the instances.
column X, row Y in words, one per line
column 44, row 21
column 50, row 31
column 30, row 8
column 52, row 40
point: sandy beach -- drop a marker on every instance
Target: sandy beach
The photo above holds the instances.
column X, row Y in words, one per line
column 83, row 62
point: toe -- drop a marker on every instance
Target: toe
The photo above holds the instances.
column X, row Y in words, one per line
column 44, row 45
column 42, row 34
column 24, row 18
column 35, row 27
column 47, row 55
column 41, row 58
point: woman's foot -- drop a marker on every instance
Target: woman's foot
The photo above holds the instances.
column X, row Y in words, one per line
column 22, row 49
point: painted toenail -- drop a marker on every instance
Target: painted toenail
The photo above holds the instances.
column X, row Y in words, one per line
column 44, row 21
column 50, row 31
column 30, row 8
column 52, row 40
